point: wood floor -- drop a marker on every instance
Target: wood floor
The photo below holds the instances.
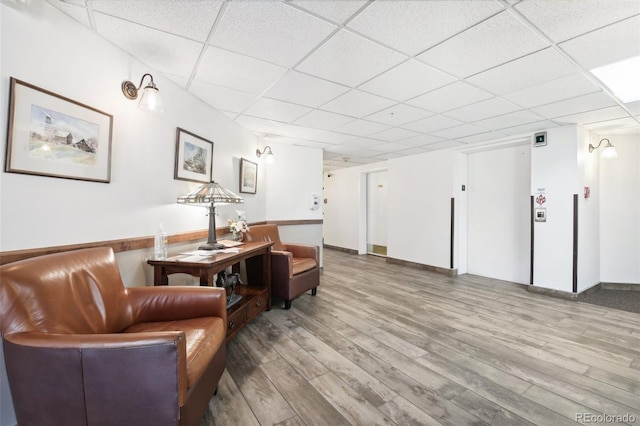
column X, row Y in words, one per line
column 389, row 344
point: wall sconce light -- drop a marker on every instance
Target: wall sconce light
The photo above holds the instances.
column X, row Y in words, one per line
column 150, row 100
column 609, row 151
column 267, row 151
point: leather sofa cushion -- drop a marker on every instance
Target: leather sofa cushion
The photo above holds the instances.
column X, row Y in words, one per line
column 303, row 264
column 203, row 339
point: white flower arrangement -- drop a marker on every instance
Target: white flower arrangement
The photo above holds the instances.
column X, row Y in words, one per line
column 238, row 225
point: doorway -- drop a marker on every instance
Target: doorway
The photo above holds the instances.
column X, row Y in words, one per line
column 377, row 213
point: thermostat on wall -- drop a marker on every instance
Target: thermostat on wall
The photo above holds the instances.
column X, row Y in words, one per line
column 540, row 139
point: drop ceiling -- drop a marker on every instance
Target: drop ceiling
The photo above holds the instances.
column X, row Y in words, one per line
column 368, row 81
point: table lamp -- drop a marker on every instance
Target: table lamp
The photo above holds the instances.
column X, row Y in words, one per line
column 210, row 195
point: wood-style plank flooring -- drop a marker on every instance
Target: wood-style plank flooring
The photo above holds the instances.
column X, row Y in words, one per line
column 390, row 344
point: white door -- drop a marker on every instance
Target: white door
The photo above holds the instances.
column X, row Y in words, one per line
column 377, row 213
column 499, row 218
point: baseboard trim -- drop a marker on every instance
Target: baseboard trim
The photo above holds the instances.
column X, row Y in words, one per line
column 620, row 286
column 437, row 269
column 564, row 294
column 346, row 250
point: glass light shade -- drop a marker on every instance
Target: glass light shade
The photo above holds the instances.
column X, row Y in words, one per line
column 270, row 157
column 150, row 100
column 609, row 151
column 210, row 193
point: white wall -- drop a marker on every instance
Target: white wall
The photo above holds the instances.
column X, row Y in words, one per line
column 499, row 214
column 44, row 47
column 554, row 170
column 377, row 203
column 420, row 192
column 293, row 177
column 620, row 212
column 588, row 213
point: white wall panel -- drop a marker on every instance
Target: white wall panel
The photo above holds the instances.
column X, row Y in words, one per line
column 499, row 213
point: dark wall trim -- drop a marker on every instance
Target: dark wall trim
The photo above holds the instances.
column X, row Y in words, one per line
column 451, row 238
column 575, row 243
column 533, row 221
column 448, row 272
column 127, row 244
column 346, row 250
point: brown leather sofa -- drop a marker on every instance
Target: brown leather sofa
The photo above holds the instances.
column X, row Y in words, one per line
column 295, row 268
column 82, row 349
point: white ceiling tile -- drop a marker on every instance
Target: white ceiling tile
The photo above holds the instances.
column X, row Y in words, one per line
column 364, row 153
column 460, row 131
column 237, row 71
column 509, row 120
column 338, row 150
column 533, row 69
column 607, row 45
column 388, row 156
column 364, row 143
column 413, row 26
column 450, row 97
column 529, row 128
column 580, row 104
column 612, row 127
column 421, row 140
column 357, row 104
column 391, row 147
column 323, row 120
column 594, row 116
column 75, row 11
column 270, row 30
column 552, row 91
column 192, row 19
column 394, row 135
column 398, row 115
column 482, row 137
column 221, row 97
column 230, row 115
column 492, row 42
column 305, row 90
column 414, row 151
column 433, row 123
column 407, row 80
column 361, row 128
column 483, row 109
column 260, row 125
column 337, row 11
column 561, row 20
column 349, row 59
column 634, row 107
column 159, row 50
column 446, row 145
column 311, row 144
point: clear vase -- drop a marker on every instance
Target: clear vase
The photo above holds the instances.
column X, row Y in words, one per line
column 237, row 236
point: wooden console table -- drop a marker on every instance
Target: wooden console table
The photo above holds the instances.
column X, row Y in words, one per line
column 256, row 293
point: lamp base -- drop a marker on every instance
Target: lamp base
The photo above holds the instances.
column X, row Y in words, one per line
column 216, row 246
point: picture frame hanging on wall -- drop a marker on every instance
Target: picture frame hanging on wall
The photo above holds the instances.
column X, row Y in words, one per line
column 54, row 136
column 248, row 176
column 194, row 157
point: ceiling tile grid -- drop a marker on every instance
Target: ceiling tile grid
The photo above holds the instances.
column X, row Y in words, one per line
column 371, row 80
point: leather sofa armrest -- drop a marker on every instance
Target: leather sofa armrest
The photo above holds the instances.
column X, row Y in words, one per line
column 282, row 260
column 304, row 250
column 119, row 378
column 166, row 303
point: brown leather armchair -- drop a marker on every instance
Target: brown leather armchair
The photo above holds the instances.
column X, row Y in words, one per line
column 295, row 268
column 82, row 349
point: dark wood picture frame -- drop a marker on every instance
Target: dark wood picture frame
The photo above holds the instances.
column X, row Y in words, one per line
column 248, row 176
column 54, row 136
column 194, row 157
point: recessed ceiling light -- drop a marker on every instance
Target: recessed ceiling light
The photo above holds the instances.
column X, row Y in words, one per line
column 622, row 78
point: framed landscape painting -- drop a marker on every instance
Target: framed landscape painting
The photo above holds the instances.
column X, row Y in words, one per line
column 248, row 176
column 50, row 135
column 194, row 157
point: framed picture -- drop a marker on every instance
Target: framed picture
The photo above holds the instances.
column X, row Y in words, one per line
column 194, row 157
column 248, row 176
column 50, row 135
